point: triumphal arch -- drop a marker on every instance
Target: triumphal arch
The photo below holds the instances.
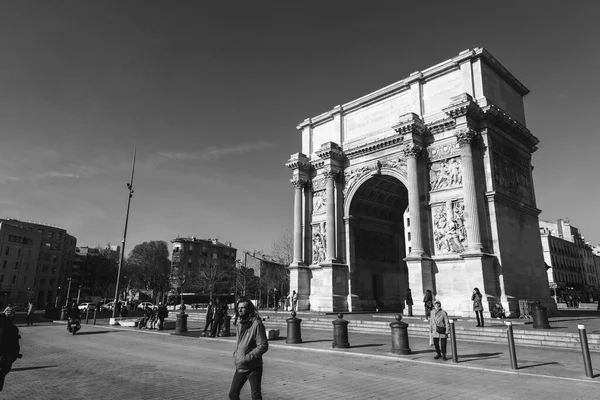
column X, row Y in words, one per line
column 424, row 184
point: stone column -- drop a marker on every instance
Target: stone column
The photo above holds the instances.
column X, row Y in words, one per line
column 465, row 137
column 298, row 185
column 412, row 152
column 330, row 176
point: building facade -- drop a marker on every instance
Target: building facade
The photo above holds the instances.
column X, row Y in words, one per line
column 425, row 184
column 573, row 270
column 190, row 256
column 56, row 253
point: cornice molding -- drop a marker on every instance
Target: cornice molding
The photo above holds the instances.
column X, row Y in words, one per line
column 464, row 105
column 330, row 150
column 298, row 161
column 514, row 128
column 509, row 200
column 372, row 147
column 410, row 124
column 466, row 136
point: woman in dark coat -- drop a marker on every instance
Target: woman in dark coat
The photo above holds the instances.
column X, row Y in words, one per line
column 478, row 306
column 428, row 303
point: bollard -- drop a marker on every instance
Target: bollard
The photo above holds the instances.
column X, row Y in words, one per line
column 64, row 314
column 340, row 333
column 87, row 315
column 453, row 341
column 540, row 319
column 511, row 346
column 586, row 351
column 400, row 336
column 95, row 314
column 181, row 323
column 226, row 329
column 293, row 330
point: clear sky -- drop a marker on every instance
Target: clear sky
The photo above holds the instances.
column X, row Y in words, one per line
column 211, row 94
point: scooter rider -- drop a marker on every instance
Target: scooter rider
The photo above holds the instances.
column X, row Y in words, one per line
column 74, row 315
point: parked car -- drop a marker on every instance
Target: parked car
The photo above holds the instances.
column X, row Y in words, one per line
column 142, row 306
column 108, row 306
column 19, row 307
column 87, row 306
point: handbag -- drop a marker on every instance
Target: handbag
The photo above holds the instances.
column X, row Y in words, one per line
column 440, row 329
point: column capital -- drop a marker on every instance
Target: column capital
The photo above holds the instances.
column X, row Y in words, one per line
column 463, row 105
column 413, row 150
column 329, row 173
column 466, row 136
column 299, row 183
column 298, row 161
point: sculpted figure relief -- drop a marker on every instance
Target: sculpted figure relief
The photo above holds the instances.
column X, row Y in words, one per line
column 512, row 177
column 445, row 174
column 449, row 232
column 352, row 176
column 319, row 243
column 319, row 199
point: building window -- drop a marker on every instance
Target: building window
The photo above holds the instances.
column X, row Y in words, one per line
column 1, row 278
column 14, row 279
column 54, row 270
column 44, row 269
column 7, row 250
column 27, row 267
column 52, row 281
column 4, row 264
column 46, row 257
column 16, row 265
column 29, row 254
column 19, row 252
column 42, row 281
column 50, row 235
column 54, row 258
column 48, row 245
column 58, row 236
column 25, row 280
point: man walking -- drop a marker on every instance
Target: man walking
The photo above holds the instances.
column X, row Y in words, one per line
column 30, row 310
column 251, row 345
column 217, row 318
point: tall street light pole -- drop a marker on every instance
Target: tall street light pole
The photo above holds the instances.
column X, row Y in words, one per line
column 130, row 187
column 68, row 292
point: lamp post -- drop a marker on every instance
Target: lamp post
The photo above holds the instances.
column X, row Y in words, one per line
column 57, row 297
column 68, row 292
column 130, row 188
column 78, row 294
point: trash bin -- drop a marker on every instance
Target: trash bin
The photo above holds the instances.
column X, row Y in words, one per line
column 540, row 318
column 64, row 314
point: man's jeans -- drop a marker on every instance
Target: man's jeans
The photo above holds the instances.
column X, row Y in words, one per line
column 239, row 379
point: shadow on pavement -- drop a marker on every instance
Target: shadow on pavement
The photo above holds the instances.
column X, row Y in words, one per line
column 365, row 345
column 539, row 365
column 315, row 341
column 93, row 333
column 29, row 368
column 432, row 350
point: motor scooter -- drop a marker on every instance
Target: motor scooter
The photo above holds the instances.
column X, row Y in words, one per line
column 74, row 325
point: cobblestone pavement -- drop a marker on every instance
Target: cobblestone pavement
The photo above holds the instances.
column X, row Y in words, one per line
column 105, row 363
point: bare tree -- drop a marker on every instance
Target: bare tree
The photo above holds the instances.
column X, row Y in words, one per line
column 211, row 273
column 283, row 248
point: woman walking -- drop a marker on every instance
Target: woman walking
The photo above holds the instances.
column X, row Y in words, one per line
column 439, row 327
column 428, row 303
column 478, row 306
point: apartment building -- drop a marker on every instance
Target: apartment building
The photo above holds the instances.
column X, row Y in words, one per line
column 54, row 263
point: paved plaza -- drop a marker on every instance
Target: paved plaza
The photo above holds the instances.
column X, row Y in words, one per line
column 103, row 362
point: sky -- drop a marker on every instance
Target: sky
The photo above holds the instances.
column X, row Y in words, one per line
column 210, row 94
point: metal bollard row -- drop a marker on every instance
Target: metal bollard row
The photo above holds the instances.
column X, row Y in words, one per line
column 340, row 333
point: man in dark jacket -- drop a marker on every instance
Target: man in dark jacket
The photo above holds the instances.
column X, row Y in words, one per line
column 9, row 343
column 209, row 318
column 251, row 345
column 162, row 313
column 218, row 314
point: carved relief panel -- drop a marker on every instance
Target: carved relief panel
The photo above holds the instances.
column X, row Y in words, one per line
column 445, row 174
column 319, row 243
column 319, row 200
column 513, row 177
column 449, row 231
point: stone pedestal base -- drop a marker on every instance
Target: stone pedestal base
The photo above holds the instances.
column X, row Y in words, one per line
column 332, row 286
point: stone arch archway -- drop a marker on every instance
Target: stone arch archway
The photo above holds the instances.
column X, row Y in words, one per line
column 376, row 238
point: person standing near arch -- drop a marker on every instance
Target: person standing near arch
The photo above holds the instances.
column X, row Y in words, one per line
column 428, row 304
column 477, row 297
